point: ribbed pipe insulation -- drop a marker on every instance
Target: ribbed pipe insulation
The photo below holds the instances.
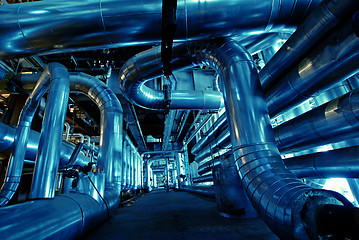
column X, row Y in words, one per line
column 55, row 79
column 278, row 196
column 62, row 26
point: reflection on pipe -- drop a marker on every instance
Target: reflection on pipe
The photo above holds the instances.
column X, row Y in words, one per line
column 336, row 59
column 324, row 18
column 53, row 73
column 340, row 163
column 61, row 26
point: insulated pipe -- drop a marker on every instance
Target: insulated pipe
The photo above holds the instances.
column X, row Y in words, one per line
column 124, row 164
column 332, row 122
column 48, row 155
column 314, row 28
column 218, row 126
column 272, row 189
column 51, row 78
column 60, row 26
column 335, row 59
column 7, row 136
column 110, row 150
column 339, row 163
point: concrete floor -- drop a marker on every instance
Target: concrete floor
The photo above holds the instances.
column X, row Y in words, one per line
column 177, row 215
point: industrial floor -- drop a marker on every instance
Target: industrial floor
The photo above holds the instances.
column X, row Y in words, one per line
column 173, row 215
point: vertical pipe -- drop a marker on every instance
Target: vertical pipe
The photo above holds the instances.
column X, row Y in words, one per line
column 128, row 166
column 124, row 165
column 48, row 155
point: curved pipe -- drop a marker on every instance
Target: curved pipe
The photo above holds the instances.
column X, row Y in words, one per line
column 59, row 26
column 272, row 189
column 110, row 149
column 67, row 131
column 323, row 19
column 334, row 60
column 52, row 79
column 340, row 163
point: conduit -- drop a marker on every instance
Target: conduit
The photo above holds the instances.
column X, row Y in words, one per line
column 69, row 216
column 339, row 163
column 309, row 33
column 336, row 59
column 55, row 79
column 272, row 189
column 61, row 26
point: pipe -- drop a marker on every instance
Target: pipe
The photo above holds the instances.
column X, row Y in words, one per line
column 53, row 75
column 124, row 164
column 67, row 131
column 339, row 163
column 59, row 26
column 310, row 32
column 218, row 126
column 207, row 191
column 335, row 59
column 204, row 178
column 272, row 189
column 48, row 154
column 7, row 137
column 64, row 217
column 110, row 149
column 332, row 122
column 146, row 66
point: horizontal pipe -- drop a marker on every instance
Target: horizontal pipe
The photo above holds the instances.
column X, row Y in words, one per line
column 339, row 163
column 218, row 126
column 207, row 191
column 58, row 26
column 335, row 59
column 310, row 32
column 332, row 122
column 204, row 178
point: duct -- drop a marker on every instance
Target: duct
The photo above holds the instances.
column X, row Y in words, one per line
column 272, row 189
column 336, row 59
column 339, row 163
column 58, row 26
column 51, row 78
column 310, row 32
column 110, row 150
column 146, row 66
column 332, row 122
column 218, row 126
column 48, row 155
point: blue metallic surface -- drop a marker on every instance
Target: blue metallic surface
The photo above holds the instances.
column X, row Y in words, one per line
column 48, row 154
column 328, row 14
column 336, row 59
column 57, row 26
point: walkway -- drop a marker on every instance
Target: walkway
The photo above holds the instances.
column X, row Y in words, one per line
column 173, row 215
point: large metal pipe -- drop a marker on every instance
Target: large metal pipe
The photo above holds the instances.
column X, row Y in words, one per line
column 272, row 189
column 51, row 78
column 335, row 59
column 323, row 19
column 58, row 26
column 339, row 163
column 110, row 149
column 332, row 122
column 7, row 137
column 79, row 212
column 48, row 155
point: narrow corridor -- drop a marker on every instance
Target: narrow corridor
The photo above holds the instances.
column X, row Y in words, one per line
column 173, row 215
